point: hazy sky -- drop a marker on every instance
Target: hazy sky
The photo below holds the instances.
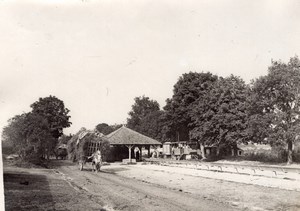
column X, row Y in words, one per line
column 97, row 56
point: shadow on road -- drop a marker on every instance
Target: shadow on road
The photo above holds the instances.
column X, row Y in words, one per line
column 25, row 191
column 105, row 171
column 114, row 170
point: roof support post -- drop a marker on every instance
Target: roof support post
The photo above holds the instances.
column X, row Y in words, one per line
column 140, row 154
column 148, row 148
column 129, row 149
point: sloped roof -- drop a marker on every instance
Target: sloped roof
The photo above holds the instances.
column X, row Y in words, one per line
column 126, row 136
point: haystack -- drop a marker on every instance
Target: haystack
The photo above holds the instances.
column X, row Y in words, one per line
column 85, row 143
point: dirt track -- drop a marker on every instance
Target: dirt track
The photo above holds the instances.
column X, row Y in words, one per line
column 120, row 187
column 113, row 191
column 67, row 188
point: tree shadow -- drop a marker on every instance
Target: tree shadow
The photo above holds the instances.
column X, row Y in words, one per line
column 114, row 170
column 105, row 171
column 25, row 191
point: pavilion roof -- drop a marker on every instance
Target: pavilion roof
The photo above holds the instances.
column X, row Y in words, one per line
column 126, row 136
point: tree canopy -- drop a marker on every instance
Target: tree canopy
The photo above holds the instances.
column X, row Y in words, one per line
column 30, row 135
column 220, row 116
column 15, row 132
column 106, row 129
column 53, row 110
column 276, row 103
column 204, row 107
column 190, row 88
column 226, row 111
column 146, row 117
column 35, row 134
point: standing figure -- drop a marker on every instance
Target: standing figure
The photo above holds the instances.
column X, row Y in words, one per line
column 97, row 160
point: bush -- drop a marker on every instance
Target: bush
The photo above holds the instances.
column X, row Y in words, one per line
column 7, row 150
column 61, row 153
column 275, row 155
column 296, row 157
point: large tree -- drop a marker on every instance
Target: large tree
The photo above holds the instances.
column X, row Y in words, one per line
column 30, row 135
column 276, row 101
column 39, row 136
column 54, row 111
column 220, row 116
column 37, row 132
column 190, row 87
column 15, row 133
column 142, row 106
column 145, row 117
column 152, row 125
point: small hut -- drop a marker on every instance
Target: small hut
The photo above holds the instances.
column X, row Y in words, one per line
column 131, row 139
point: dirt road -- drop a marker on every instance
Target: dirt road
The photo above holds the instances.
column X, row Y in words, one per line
column 139, row 187
column 120, row 193
column 67, row 188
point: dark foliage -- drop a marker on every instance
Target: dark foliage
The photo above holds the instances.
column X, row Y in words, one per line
column 35, row 134
column 190, row 88
column 220, row 116
column 53, row 110
column 275, row 105
column 146, row 118
column 106, row 129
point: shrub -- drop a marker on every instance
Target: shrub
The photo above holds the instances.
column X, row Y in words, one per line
column 275, row 155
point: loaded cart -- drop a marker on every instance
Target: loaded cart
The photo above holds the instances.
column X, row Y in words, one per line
column 90, row 147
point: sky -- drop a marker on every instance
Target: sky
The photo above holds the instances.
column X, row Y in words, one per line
column 97, row 56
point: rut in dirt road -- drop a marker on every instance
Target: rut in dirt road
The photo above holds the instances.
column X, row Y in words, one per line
column 111, row 190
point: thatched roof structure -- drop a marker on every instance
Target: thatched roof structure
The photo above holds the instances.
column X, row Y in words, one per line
column 126, row 136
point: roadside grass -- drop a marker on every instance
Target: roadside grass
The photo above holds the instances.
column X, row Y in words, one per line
column 15, row 160
column 274, row 155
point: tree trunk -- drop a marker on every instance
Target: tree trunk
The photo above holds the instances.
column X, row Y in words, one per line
column 202, row 150
column 290, row 153
column 48, row 154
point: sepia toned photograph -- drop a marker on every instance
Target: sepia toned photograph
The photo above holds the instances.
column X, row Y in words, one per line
column 146, row 105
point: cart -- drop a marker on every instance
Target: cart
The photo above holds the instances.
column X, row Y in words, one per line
column 86, row 148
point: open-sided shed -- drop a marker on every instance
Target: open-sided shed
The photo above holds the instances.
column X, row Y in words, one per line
column 130, row 138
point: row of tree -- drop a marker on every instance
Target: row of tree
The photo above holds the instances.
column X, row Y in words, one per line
column 35, row 134
column 205, row 108
column 218, row 111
